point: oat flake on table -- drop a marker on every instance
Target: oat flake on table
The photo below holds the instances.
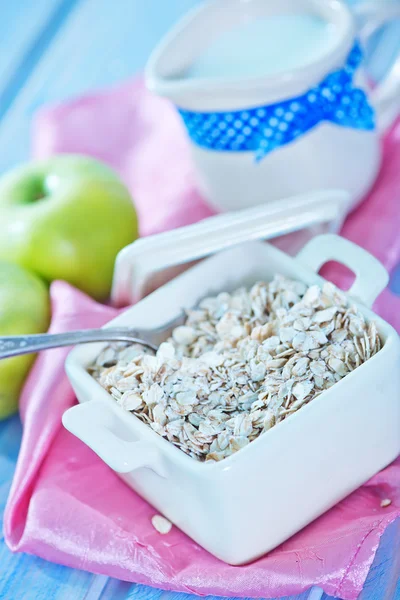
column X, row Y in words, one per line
column 161, row 524
column 242, row 363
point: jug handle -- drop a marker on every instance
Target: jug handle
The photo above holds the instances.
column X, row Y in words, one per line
column 386, row 95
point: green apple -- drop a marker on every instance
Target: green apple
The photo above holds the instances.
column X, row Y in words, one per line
column 24, row 308
column 66, row 218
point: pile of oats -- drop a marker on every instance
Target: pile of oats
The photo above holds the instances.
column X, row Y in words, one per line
column 242, row 363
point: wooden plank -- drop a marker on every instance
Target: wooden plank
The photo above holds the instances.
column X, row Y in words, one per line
column 20, row 24
column 100, row 44
column 25, row 577
column 384, row 575
column 118, row 590
column 27, row 31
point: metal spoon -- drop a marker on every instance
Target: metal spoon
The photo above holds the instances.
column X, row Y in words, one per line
column 15, row 345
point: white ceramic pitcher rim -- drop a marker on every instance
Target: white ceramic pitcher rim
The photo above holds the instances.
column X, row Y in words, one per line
column 274, row 87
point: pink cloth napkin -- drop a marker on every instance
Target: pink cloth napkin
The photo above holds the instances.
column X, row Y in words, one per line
column 65, row 504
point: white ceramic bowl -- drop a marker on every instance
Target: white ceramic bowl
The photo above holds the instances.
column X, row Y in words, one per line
column 249, row 503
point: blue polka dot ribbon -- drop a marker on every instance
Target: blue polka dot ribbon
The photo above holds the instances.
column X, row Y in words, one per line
column 265, row 128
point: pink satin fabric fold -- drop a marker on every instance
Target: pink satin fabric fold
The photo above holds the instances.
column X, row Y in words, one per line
column 67, row 506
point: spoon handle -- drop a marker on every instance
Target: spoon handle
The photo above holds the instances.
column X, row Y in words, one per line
column 25, row 344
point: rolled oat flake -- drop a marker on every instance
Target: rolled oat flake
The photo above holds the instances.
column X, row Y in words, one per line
column 161, row 524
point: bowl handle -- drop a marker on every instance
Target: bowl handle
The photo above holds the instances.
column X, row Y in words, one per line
column 91, row 422
column 371, row 275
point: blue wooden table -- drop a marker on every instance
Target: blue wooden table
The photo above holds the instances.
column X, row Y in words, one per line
column 56, row 49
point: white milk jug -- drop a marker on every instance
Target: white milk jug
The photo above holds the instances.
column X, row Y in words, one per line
column 275, row 99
